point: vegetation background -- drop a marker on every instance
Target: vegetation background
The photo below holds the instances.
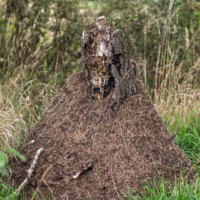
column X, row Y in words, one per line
column 40, row 48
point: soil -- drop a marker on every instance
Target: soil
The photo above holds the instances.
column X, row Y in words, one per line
column 80, row 134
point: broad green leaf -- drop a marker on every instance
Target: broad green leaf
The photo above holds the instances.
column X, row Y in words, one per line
column 16, row 153
column 23, row 158
column 2, row 159
column 3, row 171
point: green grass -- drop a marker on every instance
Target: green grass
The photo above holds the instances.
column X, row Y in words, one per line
column 180, row 190
column 187, row 136
column 6, row 191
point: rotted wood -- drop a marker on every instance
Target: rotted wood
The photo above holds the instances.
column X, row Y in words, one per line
column 105, row 63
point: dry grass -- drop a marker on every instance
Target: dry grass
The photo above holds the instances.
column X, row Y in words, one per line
column 179, row 92
column 178, row 95
column 11, row 119
column 21, row 103
column 176, row 90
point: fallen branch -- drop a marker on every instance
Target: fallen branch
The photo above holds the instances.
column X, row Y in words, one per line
column 29, row 171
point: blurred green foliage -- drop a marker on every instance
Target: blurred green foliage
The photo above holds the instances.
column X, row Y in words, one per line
column 43, row 36
column 3, row 159
column 149, row 23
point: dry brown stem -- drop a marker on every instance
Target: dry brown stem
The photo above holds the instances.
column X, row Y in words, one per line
column 41, row 181
column 114, row 184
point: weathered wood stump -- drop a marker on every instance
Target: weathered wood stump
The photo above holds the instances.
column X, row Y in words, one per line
column 104, row 59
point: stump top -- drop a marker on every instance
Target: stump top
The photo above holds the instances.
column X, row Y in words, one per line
column 101, row 23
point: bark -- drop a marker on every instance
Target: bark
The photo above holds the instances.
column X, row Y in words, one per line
column 104, row 59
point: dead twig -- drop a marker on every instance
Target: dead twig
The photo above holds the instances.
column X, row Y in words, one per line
column 114, row 184
column 29, row 171
column 41, row 181
column 41, row 195
column 49, row 188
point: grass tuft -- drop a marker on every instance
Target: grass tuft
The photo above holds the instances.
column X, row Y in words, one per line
column 21, row 104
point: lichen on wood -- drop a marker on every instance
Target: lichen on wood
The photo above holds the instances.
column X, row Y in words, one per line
column 105, row 63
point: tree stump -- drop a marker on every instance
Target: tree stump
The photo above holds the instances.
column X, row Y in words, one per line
column 104, row 59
